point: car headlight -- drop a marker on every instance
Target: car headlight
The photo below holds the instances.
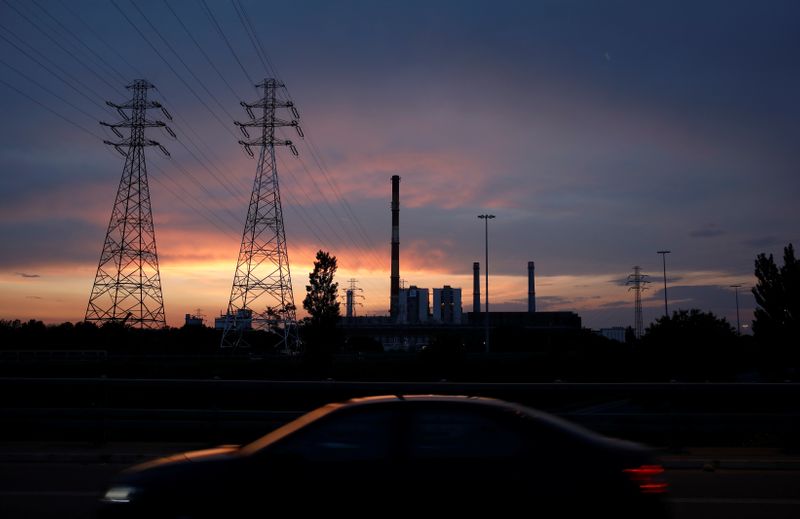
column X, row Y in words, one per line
column 120, row 494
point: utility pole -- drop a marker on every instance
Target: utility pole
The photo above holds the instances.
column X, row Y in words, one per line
column 262, row 279
column 664, row 260
column 486, row 218
column 638, row 283
column 127, row 285
column 736, row 290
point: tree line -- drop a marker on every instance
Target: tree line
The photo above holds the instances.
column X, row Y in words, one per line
column 686, row 345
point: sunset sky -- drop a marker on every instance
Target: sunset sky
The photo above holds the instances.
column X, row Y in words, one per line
column 596, row 132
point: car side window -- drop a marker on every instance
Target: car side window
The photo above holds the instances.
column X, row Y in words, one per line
column 447, row 433
column 349, row 435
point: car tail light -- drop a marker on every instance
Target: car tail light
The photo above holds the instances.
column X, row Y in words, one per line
column 649, row 478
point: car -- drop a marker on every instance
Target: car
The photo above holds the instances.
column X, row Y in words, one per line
column 400, row 455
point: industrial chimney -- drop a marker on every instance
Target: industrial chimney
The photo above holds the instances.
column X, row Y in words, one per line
column 476, row 288
column 531, row 288
column 349, row 303
column 395, row 274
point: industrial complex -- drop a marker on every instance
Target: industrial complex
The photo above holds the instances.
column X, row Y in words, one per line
column 418, row 316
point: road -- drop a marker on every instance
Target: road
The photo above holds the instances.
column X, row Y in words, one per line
column 735, row 494
column 68, row 489
column 51, row 490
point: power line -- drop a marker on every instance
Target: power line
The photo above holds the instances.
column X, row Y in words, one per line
column 78, row 109
column 233, row 232
column 245, row 19
column 188, row 69
column 169, row 65
column 268, row 66
column 200, row 48
column 99, row 38
column 65, row 101
column 177, row 164
column 48, row 69
column 49, row 37
column 203, row 152
column 225, row 185
column 366, row 250
column 52, row 111
column 230, row 231
column 213, row 19
column 248, row 29
column 109, row 66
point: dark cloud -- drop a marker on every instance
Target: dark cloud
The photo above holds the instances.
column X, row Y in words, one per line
column 615, row 304
column 25, row 275
column 33, row 297
column 68, row 241
column 763, row 242
column 544, row 303
column 621, row 281
column 709, row 231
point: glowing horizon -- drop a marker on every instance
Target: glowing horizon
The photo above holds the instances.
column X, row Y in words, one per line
column 594, row 146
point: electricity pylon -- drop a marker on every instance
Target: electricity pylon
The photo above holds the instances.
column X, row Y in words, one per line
column 351, row 294
column 638, row 283
column 261, row 295
column 127, row 286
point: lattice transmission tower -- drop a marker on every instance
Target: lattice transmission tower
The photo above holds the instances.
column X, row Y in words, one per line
column 351, row 298
column 127, row 286
column 261, row 295
column 638, row 283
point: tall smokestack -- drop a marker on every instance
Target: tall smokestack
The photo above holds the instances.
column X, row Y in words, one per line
column 395, row 275
column 531, row 288
column 349, row 303
column 476, row 288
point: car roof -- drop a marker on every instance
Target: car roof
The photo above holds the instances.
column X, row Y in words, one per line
column 404, row 400
column 449, row 399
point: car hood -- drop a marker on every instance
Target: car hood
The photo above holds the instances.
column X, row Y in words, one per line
column 222, row 452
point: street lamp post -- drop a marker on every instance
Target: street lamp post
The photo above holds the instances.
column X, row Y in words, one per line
column 736, row 290
column 486, row 218
column 664, row 258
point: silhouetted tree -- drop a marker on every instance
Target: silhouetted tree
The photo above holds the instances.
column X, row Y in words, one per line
column 320, row 335
column 777, row 294
column 691, row 343
column 688, row 324
column 777, row 318
column 321, row 300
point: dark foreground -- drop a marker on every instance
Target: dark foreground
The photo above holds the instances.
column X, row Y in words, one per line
column 213, row 411
column 63, row 439
column 41, row 480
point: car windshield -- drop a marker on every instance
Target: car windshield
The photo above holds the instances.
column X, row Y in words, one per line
column 287, row 429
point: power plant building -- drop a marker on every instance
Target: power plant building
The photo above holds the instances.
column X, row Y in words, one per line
column 413, row 305
column 447, row 305
column 241, row 321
